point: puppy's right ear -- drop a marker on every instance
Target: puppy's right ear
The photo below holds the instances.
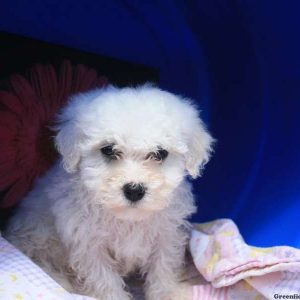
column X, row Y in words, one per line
column 67, row 143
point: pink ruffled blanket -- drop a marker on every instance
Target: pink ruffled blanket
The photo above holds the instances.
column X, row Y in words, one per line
column 235, row 270
column 224, row 267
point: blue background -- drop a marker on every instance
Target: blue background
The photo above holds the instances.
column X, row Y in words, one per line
column 240, row 60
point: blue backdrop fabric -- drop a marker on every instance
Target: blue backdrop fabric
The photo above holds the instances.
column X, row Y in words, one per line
column 239, row 59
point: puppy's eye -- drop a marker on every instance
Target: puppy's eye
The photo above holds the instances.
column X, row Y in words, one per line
column 159, row 155
column 110, row 152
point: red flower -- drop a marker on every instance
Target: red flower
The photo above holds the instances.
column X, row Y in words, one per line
column 26, row 114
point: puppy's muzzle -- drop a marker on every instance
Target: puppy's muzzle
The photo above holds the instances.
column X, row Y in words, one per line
column 134, row 192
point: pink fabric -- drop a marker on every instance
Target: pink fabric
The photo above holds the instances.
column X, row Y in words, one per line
column 236, row 270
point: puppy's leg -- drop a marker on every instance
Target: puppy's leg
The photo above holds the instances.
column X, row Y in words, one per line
column 108, row 286
column 165, row 269
column 97, row 275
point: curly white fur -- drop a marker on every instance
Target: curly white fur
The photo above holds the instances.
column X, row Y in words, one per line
column 77, row 224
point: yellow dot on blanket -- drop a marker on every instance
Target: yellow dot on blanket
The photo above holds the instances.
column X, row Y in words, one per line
column 13, row 277
column 18, row 297
column 259, row 251
column 216, row 249
column 228, row 233
column 212, row 262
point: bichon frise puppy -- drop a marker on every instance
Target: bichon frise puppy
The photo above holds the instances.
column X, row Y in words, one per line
column 117, row 202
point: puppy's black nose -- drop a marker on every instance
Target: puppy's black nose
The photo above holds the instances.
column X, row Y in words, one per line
column 134, row 191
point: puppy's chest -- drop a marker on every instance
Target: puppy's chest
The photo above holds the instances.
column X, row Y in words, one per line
column 131, row 248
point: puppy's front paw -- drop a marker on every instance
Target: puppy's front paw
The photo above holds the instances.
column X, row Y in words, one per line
column 181, row 292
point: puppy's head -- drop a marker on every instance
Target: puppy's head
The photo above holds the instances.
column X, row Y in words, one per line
column 132, row 147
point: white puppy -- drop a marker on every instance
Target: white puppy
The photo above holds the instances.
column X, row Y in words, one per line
column 118, row 202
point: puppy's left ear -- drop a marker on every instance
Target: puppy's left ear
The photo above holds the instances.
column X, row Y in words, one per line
column 200, row 147
column 67, row 142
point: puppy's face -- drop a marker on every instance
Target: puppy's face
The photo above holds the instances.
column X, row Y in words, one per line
column 132, row 147
column 132, row 182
